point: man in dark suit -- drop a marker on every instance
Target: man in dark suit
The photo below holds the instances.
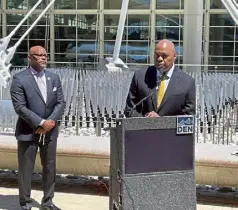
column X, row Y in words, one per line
column 38, row 100
column 169, row 90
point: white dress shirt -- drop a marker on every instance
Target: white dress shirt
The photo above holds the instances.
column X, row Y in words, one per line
column 168, row 76
column 43, row 81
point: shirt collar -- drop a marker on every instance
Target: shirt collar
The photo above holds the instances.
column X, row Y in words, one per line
column 168, row 73
column 34, row 72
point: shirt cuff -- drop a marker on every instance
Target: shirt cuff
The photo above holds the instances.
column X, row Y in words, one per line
column 42, row 122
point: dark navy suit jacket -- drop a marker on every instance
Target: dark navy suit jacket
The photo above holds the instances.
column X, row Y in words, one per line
column 30, row 106
column 179, row 98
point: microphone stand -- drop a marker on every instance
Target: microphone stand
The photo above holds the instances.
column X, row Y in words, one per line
column 142, row 100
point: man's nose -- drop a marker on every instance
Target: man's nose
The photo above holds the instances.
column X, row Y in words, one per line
column 160, row 59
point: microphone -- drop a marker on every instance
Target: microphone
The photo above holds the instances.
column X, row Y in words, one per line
column 143, row 99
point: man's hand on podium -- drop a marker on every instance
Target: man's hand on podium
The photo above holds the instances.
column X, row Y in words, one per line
column 152, row 114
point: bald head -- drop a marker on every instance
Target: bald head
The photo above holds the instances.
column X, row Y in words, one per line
column 167, row 45
column 165, row 55
column 35, row 49
column 37, row 58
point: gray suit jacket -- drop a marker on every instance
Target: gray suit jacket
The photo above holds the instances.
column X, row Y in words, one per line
column 179, row 98
column 30, row 106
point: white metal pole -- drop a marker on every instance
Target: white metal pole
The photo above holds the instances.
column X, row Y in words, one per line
column 35, row 22
column 5, row 41
column 120, row 29
column 11, row 51
column 23, row 20
column 232, row 8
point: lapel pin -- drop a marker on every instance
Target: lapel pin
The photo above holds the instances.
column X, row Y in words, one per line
column 48, row 78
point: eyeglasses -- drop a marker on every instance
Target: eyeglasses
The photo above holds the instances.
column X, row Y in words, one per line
column 41, row 55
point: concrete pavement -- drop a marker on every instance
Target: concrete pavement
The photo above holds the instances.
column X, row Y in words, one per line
column 70, row 198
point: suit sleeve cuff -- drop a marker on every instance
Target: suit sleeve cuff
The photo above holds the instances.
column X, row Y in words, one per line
column 42, row 122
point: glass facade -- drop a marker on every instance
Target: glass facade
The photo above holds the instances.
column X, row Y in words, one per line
column 78, row 32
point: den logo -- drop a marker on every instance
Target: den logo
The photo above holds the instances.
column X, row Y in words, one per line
column 185, row 124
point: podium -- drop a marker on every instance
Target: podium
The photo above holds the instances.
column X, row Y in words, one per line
column 152, row 164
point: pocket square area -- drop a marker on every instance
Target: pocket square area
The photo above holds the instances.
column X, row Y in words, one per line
column 54, row 89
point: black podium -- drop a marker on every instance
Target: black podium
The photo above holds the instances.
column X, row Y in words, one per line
column 152, row 164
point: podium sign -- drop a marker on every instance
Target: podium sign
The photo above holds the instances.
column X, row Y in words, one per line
column 151, row 165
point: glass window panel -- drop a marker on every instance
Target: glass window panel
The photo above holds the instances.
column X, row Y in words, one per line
column 87, row 48
column 216, row 4
column 137, row 52
column 178, row 49
column 23, row 4
column 221, row 64
column 221, row 20
column 138, row 33
column 66, row 26
column 65, row 47
column 70, row 52
column 139, row 4
column 0, row 25
column 66, row 4
column 41, row 42
column 137, row 27
column 111, row 20
column 138, row 58
column 77, row 4
column 65, row 58
column 221, row 48
column 42, row 22
column 138, row 48
column 18, row 34
column 87, row 26
column 172, row 33
column 236, row 49
column 133, row 4
column 19, row 59
column 138, row 20
column 109, row 47
column 14, row 19
column 169, row 20
column 87, row 4
column 236, row 64
column 179, row 59
column 66, row 20
column 110, row 33
column 39, row 32
column 64, row 32
column 169, row 4
column 222, row 33
column 23, row 47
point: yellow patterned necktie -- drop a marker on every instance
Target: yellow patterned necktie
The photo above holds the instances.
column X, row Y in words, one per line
column 160, row 93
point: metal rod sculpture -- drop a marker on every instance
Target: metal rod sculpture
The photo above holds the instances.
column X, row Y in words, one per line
column 115, row 63
column 95, row 98
column 6, row 55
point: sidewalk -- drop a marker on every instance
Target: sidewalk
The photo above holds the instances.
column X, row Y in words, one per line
column 81, row 199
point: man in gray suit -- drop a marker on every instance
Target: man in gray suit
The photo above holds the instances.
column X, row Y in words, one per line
column 162, row 89
column 38, row 100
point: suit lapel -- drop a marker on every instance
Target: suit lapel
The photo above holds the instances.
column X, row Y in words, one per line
column 174, row 80
column 33, row 82
column 48, row 85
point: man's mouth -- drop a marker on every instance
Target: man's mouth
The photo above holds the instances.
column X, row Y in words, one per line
column 160, row 65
